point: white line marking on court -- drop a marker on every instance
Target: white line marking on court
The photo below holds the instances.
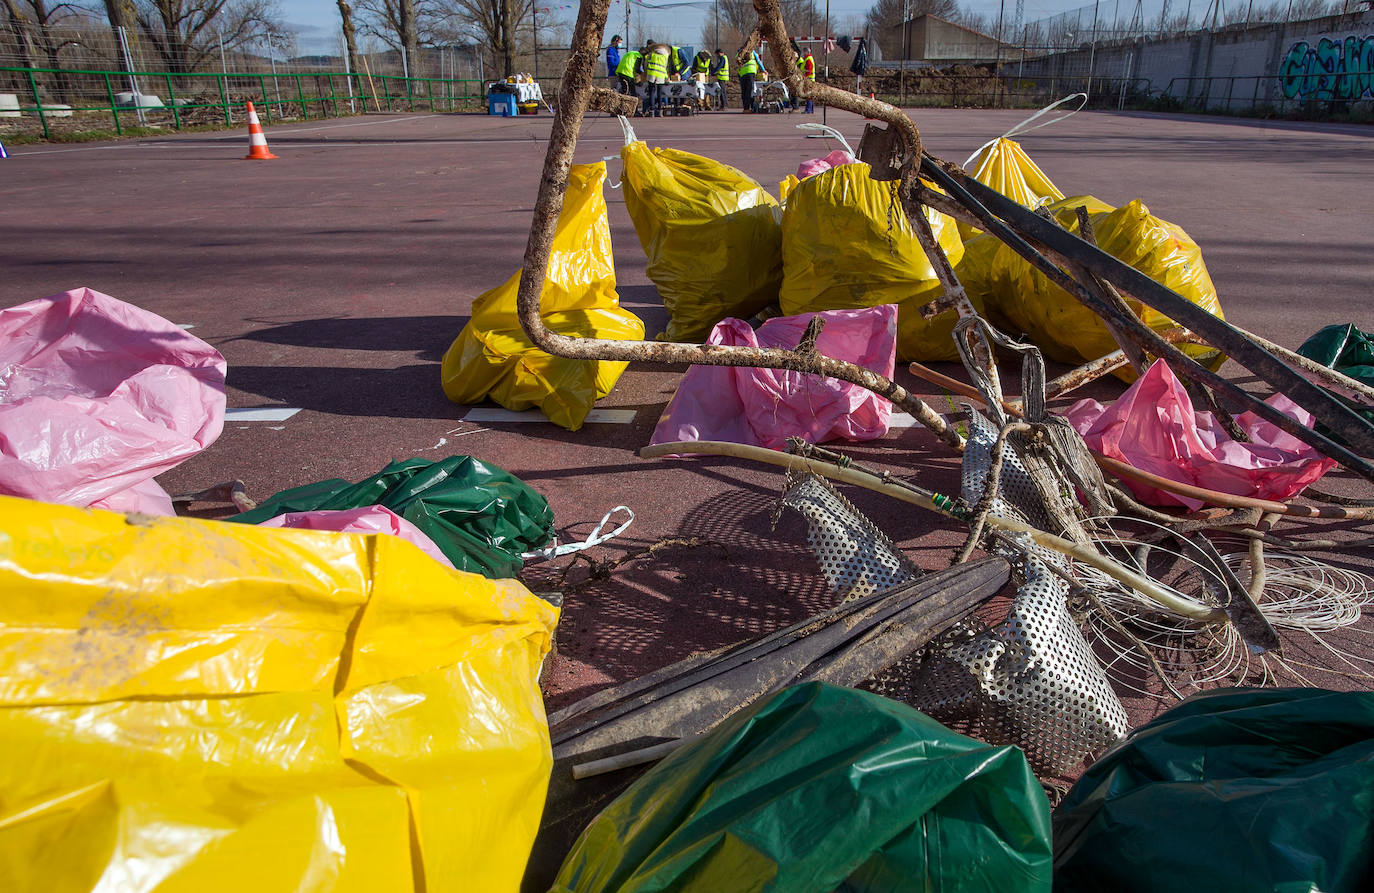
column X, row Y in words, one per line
column 259, row 415
column 128, row 145
column 442, row 441
column 186, row 325
column 151, row 143
column 677, row 139
column 490, row 414
column 901, row 420
column 281, row 129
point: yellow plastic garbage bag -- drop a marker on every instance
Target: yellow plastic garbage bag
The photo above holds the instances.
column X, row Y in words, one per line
column 1004, row 166
column 846, row 243
column 786, row 185
column 711, row 235
column 1021, row 300
column 492, row 357
column 192, row 707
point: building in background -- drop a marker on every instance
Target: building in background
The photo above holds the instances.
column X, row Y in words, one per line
column 936, row 41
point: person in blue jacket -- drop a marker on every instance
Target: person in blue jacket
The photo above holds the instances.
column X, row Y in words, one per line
column 613, row 57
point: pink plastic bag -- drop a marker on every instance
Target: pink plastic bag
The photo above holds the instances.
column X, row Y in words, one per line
column 146, row 497
column 367, row 519
column 764, row 407
column 97, row 397
column 1154, row 427
column 818, row 165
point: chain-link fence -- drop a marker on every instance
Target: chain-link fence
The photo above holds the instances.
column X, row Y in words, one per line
column 119, row 100
column 93, row 45
column 80, row 74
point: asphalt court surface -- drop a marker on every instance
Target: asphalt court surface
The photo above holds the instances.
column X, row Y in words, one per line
column 334, row 278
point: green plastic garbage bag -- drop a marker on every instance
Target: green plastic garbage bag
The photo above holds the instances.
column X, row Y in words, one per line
column 480, row 516
column 1233, row 790
column 821, row 788
column 1343, row 348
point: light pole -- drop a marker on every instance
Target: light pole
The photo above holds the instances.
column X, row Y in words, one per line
column 906, row 48
column 997, row 69
column 275, row 42
column 534, row 11
column 825, row 45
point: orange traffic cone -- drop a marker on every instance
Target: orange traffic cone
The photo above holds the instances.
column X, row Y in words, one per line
column 257, row 143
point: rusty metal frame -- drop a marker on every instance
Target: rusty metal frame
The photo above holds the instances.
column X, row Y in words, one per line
column 906, row 162
column 575, row 96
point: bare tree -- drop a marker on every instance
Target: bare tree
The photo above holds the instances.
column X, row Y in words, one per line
column 720, row 34
column 494, row 23
column 400, row 24
column 184, row 33
column 32, row 23
column 800, row 16
column 18, row 28
column 974, row 21
column 120, row 14
column 350, row 34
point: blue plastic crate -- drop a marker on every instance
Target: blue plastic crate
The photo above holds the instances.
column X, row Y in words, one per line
column 502, row 104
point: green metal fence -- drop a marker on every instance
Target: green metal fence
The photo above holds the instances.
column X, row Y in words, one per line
column 1324, row 94
column 205, row 98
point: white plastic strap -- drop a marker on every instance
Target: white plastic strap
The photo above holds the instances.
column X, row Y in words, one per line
column 616, row 184
column 830, row 132
column 596, row 538
column 1022, row 128
column 629, row 133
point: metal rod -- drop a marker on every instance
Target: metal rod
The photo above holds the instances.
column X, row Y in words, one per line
column 575, row 94
column 1217, row 333
column 1170, row 599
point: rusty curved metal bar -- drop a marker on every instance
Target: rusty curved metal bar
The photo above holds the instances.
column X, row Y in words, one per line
column 999, row 215
column 575, row 96
column 1015, row 225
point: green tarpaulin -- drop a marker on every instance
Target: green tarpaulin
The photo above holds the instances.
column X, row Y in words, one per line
column 1345, row 349
column 1238, row 790
column 480, row 516
column 821, row 788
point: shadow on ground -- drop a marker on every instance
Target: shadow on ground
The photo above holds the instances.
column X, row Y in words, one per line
column 425, row 337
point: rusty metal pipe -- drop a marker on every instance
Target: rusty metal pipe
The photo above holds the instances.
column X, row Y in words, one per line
column 1104, row 365
column 573, row 100
column 1051, row 238
column 1219, row 334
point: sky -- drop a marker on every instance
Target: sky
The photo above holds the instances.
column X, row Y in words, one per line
column 316, row 22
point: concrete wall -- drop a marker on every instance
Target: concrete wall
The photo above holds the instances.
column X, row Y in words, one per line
column 932, row 39
column 1326, row 59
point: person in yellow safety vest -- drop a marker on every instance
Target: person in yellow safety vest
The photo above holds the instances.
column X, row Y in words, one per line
column 655, row 75
column 677, row 71
column 808, row 66
column 701, row 70
column 625, row 71
column 749, row 67
column 720, row 73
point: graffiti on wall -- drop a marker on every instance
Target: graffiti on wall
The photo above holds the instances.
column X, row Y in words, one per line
column 1333, row 69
